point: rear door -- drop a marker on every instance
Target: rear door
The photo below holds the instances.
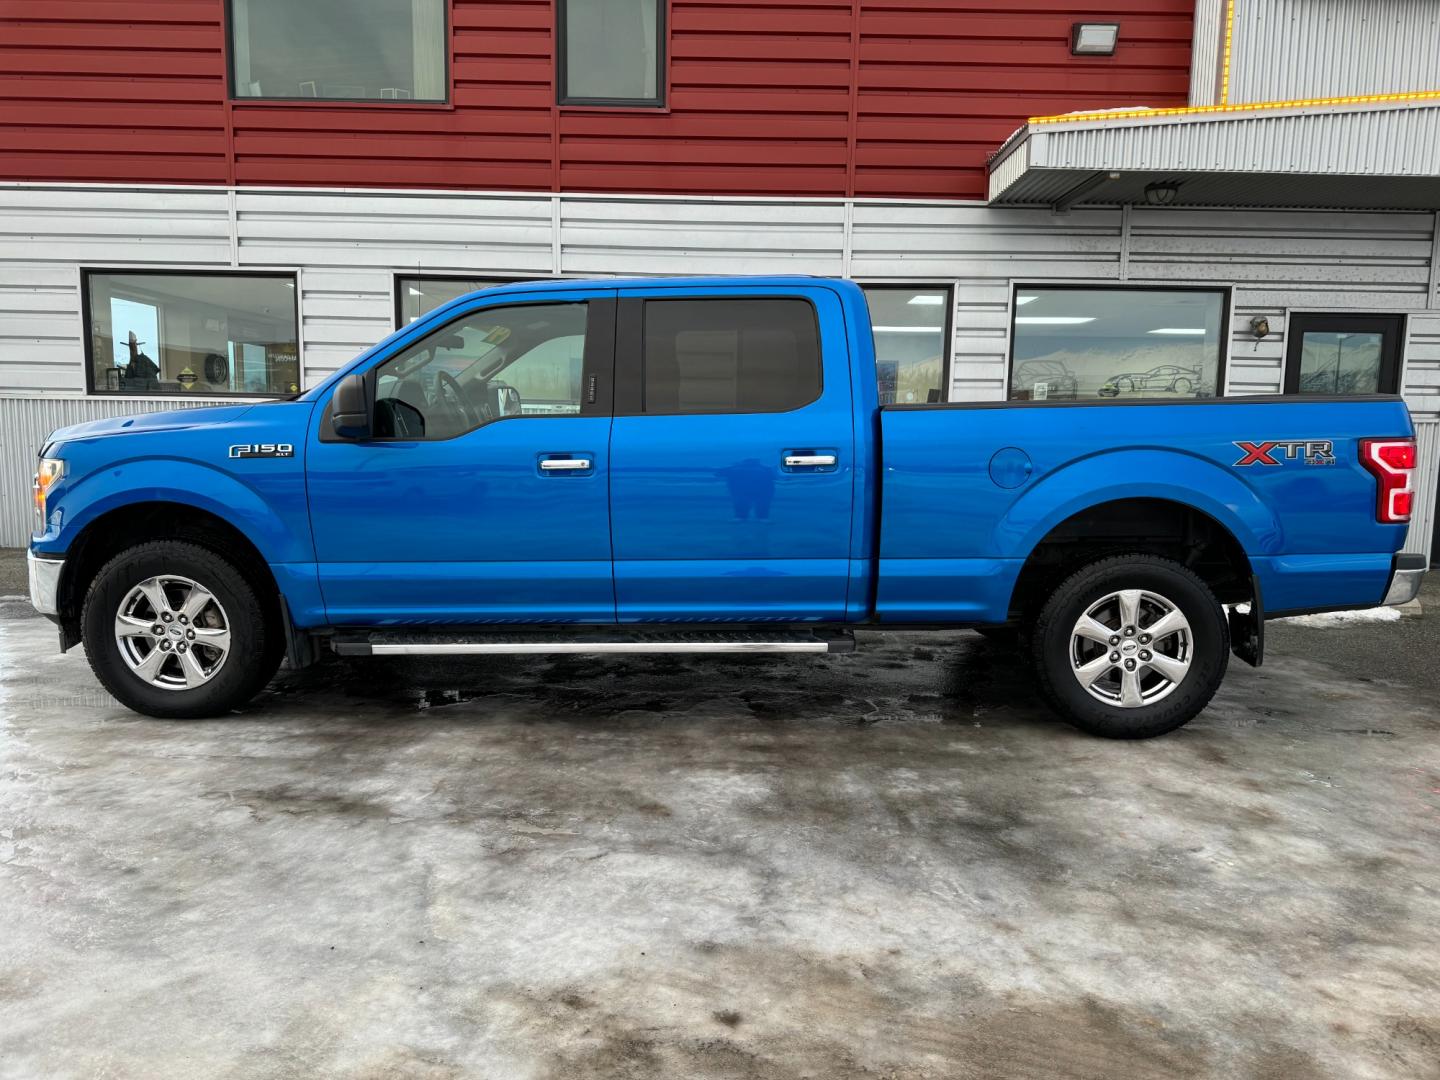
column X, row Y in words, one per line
column 731, row 455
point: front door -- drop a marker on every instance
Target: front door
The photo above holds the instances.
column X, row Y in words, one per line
column 483, row 495
column 732, row 456
column 1337, row 353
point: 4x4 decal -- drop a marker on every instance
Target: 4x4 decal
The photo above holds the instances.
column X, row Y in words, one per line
column 1311, row 451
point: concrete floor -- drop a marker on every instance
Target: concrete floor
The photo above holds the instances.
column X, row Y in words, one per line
column 894, row 864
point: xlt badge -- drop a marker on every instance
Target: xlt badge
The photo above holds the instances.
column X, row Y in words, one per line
column 263, row 449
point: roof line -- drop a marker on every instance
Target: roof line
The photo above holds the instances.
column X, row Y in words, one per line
column 1193, row 110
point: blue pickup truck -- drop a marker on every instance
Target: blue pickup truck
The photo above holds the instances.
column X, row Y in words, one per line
column 703, row 465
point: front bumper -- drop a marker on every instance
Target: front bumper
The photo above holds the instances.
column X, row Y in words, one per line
column 1406, row 579
column 45, row 583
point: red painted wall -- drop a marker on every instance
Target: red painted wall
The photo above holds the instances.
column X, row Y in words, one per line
column 802, row 97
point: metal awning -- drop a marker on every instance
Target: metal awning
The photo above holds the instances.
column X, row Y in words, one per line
column 1373, row 156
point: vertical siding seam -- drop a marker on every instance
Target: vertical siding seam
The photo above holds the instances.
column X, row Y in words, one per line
column 232, row 211
column 1431, row 300
column 1125, row 242
column 852, row 136
column 556, row 254
column 847, row 238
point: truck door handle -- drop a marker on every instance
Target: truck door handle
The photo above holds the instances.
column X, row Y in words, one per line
column 564, row 464
column 797, row 461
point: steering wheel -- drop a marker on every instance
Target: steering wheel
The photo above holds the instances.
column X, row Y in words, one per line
column 447, row 383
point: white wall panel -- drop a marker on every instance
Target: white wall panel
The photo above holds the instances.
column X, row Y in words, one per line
column 348, row 246
column 1283, row 50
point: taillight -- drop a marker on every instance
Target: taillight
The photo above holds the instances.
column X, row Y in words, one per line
column 1393, row 463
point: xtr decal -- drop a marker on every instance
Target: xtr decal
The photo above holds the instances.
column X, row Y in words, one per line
column 1311, row 451
column 263, row 449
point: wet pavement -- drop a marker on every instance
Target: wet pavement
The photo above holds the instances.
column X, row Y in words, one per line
column 892, row 864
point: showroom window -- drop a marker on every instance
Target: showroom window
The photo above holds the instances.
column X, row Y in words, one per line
column 911, row 325
column 208, row 334
column 1088, row 343
column 415, row 295
column 344, row 50
column 612, row 52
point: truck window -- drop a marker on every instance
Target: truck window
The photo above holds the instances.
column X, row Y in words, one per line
column 730, row 356
column 521, row 360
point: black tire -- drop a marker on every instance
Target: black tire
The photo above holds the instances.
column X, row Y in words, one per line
column 256, row 644
column 1051, row 647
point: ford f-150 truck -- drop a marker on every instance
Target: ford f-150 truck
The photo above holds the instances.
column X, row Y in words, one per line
column 702, row 465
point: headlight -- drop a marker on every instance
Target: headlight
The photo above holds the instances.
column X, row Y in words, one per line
column 47, row 473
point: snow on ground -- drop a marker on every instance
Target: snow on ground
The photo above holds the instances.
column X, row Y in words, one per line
column 1330, row 619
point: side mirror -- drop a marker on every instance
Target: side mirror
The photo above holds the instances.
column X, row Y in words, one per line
column 349, row 410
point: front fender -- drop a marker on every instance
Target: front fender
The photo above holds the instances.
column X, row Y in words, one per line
column 277, row 524
column 1109, row 476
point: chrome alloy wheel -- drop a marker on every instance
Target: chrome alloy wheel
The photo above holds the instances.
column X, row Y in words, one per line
column 1131, row 648
column 172, row 632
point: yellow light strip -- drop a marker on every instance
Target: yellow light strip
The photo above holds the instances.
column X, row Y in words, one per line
column 1225, row 64
column 1190, row 110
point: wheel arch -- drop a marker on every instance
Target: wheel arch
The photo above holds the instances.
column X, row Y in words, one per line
column 1143, row 524
column 107, row 534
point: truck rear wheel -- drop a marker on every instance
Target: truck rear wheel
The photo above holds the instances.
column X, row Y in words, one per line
column 1131, row 647
column 173, row 629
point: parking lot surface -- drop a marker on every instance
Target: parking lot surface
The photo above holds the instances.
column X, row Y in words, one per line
column 891, row 864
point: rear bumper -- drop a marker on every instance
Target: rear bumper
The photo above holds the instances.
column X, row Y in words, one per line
column 45, row 583
column 1406, row 579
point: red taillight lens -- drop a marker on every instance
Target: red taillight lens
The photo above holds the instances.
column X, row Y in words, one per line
column 1392, row 461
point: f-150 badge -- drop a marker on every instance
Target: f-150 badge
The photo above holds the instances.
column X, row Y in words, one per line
column 263, row 449
column 1311, row 451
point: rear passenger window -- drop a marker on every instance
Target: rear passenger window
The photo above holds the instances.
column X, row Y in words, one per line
column 730, row 356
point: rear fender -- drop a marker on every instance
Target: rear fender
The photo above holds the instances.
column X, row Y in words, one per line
column 1138, row 474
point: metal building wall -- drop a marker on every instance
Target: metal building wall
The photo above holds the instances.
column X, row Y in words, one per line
column 1284, row 50
column 347, row 248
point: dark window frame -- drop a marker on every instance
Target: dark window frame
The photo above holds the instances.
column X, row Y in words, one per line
column 448, row 80
column 630, row 354
column 86, row 272
column 662, row 65
column 597, row 370
column 1222, row 360
column 491, row 281
column 1392, row 355
column 947, row 357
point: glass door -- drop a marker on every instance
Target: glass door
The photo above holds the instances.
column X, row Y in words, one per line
column 1344, row 354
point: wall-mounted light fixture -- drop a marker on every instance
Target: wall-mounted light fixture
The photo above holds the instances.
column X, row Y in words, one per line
column 1162, row 192
column 1093, row 39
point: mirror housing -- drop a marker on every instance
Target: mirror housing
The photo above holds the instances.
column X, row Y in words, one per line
column 350, row 409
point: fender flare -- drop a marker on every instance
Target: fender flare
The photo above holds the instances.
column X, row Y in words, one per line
column 1149, row 473
column 189, row 483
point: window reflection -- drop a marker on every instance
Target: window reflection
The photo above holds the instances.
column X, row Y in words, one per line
column 1077, row 344
column 911, row 328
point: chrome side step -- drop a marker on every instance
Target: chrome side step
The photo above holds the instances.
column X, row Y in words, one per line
column 590, row 640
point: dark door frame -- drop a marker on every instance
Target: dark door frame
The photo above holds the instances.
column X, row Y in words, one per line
column 1391, row 329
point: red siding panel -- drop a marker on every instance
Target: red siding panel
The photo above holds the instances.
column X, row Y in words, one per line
column 796, row 97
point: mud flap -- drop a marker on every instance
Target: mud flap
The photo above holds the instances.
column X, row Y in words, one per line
column 1247, row 628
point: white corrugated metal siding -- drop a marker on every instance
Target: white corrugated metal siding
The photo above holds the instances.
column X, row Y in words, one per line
column 1283, row 50
column 1206, row 54
column 25, row 424
column 347, row 247
column 1422, row 525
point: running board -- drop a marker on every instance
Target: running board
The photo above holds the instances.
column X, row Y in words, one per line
column 592, row 641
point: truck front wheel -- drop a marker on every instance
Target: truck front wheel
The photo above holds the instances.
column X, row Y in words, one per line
column 1131, row 647
column 173, row 629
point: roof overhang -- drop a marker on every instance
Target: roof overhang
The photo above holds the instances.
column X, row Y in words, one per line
column 1370, row 156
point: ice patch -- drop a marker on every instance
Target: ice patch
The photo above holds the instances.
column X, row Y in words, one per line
column 1344, row 618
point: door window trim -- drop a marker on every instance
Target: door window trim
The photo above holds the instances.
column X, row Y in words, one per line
column 1390, row 325
column 597, row 369
column 629, row 354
